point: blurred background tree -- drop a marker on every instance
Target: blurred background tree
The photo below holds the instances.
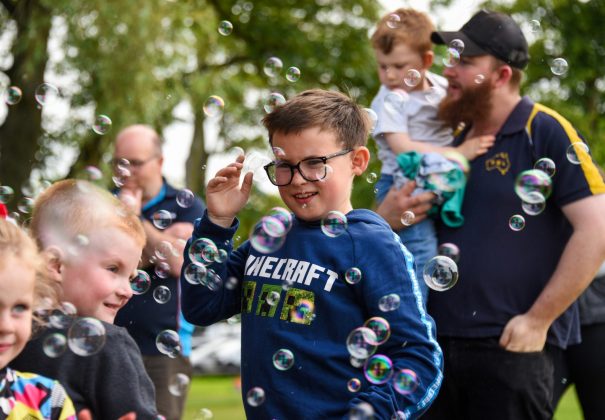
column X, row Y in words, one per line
column 139, row 61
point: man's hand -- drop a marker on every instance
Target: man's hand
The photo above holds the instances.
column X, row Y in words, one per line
column 524, row 334
column 224, row 197
column 133, row 199
column 397, row 201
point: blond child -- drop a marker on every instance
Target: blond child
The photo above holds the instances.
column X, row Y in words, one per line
column 92, row 244
column 300, row 311
column 23, row 286
column 406, row 106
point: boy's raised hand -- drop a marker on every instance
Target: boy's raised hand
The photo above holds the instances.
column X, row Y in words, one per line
column 476, row 146
column 224, row 196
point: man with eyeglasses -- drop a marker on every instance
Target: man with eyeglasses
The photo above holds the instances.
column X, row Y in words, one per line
column 138, row 162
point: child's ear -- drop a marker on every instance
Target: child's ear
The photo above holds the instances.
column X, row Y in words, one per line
column 361, row 158
column 54, row 257
column 427, row 59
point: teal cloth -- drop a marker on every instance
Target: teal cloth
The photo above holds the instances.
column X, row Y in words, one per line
column 450, row 210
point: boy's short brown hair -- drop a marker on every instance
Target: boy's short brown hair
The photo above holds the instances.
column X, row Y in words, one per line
column 328, row 110
column 70, row 209
column 413, row 28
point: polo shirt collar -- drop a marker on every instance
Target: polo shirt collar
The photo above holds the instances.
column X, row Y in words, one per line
column 517, row 119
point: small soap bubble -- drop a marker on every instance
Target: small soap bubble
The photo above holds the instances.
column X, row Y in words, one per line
column 221, row 256
column 162, row 269
column 273, row 226
column 283, row 359
column 353, row 275
column 361, row 411
column 440, row 273
column 373, row 117
column 399, row 415
column 452, row 58
column 535, row 26
column 405, row 381
column 213, row 281
column 13, row 95
column 334, row 224
column 58, row 318
column 161, row 294
column 412, row 78
column 195, row 274
column 25, row 205
column 102, row 124
column 283, row 215
column 231, row 283
column 262, row 241
column 255, row 396
column 303, row 312
column 225, row 28
column 204, row 414
column 530, row 181
column 479, row 79
column 516, row 222
column 214, row 106
column 273, row 100
column 559, row 66
column 164, row 250
column 381, row 328
column 140, row 283
column 185, row 198
column 168, row 343
column 293, row 74
column 93, row 173
column 272, row 298
column 359, row 342
column 273, row 66
column 576, row 152
column 6, row 193
column 161, row 219
column 546, row 165
column 407, row 218
column 457, row 44
column 46, row 92
column 179, row 384
column 234, row 152
column 86, row 336
column 371, row 177
column 54, row 345
column 393, row 21
column 389, row 302
column 354, row 385
column 203, row 251
column 279, row 153
column 357, row 363
column 378, row 369
column 537, row 205
column 449, row 250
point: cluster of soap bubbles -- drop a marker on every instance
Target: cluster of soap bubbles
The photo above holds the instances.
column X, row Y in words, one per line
column 204, row 252
column 274, row 65
column 85, row 336
column 269, row 234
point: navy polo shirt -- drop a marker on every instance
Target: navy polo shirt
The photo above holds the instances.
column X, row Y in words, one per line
column 502, row 272
column 142, row 316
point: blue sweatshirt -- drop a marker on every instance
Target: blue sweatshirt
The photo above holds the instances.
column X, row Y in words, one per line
column 314, row 264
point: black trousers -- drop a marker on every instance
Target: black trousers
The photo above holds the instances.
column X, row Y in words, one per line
column 483, row 381
column 584, row 365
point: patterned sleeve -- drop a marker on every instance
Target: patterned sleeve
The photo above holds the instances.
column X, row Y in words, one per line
column 61, row 405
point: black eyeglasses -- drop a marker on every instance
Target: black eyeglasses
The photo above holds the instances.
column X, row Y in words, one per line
column 312, row 169
column 134, row 163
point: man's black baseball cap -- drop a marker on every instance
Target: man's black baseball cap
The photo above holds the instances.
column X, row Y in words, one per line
column 490, row 33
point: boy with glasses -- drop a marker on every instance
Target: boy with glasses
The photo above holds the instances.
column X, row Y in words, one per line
column 304, row 354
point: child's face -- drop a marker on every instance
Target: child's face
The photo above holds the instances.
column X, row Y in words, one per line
column 97, row 280
column 16, row 302
column 393, row 67
column 313, row 200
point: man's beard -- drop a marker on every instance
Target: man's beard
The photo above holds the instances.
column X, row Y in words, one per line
column 475, row 104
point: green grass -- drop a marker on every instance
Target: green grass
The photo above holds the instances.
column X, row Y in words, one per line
column 221, row 395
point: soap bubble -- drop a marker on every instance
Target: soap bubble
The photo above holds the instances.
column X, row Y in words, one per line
column 449, row 250
column 185, row 198
column 303, row 312
column 225, row 28
column 86, row 336
column 407, row 218
column 168, row 343
column 389, row 302
column 334, row 224
column 140, row 283
column 373, row 117
column 46, row 92
column 536, row 206
column 102, row 124
column 457, row 44
column 559, row 66
column 93, row 173
column 214, row 106
column 178, row 384
column 361, row 411
column 161, row 294
column 255, row 396
column 203, row 251
column 283, row 215
column 394, row 21
column 6, row 193
column 405, row 381
column 353, row 275
column 576, row 152
column 378, row 369
column 381, row 328
column 195, row 274
column 546, row 165
column 293, row 74
column 161, row 219
column 354, row 385
column 283, row 359
column 371, row 178
column 273, row 66
column 263, row 239
column 412, row 78
column 452, row 58
column 531, row 181
column 25, row 205
column 274, row 100
column 359, row 342
column 479, row 79
column 440, row 273
column 516, row 222
column 13, row 95
column 535, row 26
column 54, row 345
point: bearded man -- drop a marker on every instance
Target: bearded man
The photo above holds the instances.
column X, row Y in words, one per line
column 513, row 305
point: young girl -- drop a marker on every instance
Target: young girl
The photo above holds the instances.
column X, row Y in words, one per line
column 22, row 286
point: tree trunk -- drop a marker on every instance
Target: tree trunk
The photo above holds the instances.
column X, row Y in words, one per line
column 195, row 168
column 21, row 130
